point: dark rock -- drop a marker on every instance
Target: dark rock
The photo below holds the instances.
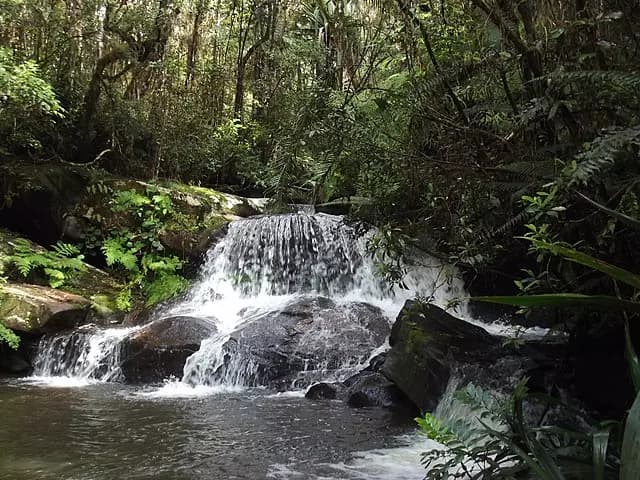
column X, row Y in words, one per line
column 424, row 341
column 325, row 391
column 372, row 389
column 159, row 350
column 306, row 340
column 12, row 361
column 34, row 197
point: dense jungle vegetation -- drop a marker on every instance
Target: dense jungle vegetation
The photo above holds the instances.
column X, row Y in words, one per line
column 502, row 135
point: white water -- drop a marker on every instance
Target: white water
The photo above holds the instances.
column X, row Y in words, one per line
column 80, row 357
column 263, row 265
column 401, row 462
column 266, row 263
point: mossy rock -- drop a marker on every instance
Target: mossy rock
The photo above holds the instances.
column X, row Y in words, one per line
column 34, row 308
column 425, row 340
column 98, row 287
column 200, row 215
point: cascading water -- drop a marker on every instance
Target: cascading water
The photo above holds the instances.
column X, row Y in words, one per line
column 271, row 270
column 267, row 264
column 81, row 355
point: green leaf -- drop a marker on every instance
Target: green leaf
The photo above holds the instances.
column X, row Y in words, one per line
column 632, row 358
column 630, row 460
column 581, row 258
column 9, row 337
column 600, row 446
column 563, row 300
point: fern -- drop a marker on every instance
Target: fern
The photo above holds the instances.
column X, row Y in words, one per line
column 9, row 337
column 628, row 81
column 117, row 253
column 164, row 287
column 58, row 265
column 602, row 153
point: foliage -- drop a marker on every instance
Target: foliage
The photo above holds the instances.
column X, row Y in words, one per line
column 137, row 250
column 26, row 100
column 58, row 265
column 631, row 443
column 498, row 442
column 7, row 335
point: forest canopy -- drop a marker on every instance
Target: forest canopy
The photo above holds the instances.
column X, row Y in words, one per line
column 467, row 119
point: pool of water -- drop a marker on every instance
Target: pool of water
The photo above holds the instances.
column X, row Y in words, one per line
column 58, row 430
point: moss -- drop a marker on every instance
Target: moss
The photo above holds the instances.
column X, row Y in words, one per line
column 89, row 283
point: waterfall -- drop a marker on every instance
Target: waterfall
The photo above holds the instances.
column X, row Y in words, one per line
column 272, row 270
column 81, row 355
column 266, row 264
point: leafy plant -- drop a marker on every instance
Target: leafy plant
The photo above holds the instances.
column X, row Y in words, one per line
column 497, row 442
column 26, row 100
column 58, row 265
column 138, row 251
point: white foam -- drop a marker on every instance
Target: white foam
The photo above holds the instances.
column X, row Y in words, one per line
column 59, row 382
column 402, row 462
column 177, row 389
column 289, row 394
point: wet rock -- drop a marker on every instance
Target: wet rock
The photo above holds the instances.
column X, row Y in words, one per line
column 38, row 309
column 325, row 391
column 159, row 349
column 307, row 340
column 372, row 389
column 425, row 342
column 13, row 361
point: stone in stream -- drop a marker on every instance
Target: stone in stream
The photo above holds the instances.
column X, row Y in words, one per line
column 307, row 340
column 367, row 388
column 159, row 349
column 425, row 340
column 429, row 346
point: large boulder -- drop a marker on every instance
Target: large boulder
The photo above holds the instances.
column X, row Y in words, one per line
column 38, row 309
column 34, row 196
column 425, row 342
column 430, row 347
column 307, row 340
column 159, row 349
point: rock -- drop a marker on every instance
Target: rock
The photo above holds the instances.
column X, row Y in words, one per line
column 38, row 309
column 201, row 214
column 325, row 391
column 91, row 283
column 159, row 349
column 425, row 342
column 306, row 340
column 35, row 196
column 49, row 201
column 367, row 388
column 372, row 389
column 13, row 361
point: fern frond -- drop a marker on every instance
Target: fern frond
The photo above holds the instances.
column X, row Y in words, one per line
column 602, row 153
column 625, row 80
column 115, row 252
column 66, row 249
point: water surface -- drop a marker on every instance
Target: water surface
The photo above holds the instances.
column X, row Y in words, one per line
column 110, row 431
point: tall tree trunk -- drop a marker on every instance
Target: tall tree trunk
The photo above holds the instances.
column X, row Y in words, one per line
column 194, row 43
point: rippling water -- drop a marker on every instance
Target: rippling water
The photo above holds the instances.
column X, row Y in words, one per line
column 109, row 431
